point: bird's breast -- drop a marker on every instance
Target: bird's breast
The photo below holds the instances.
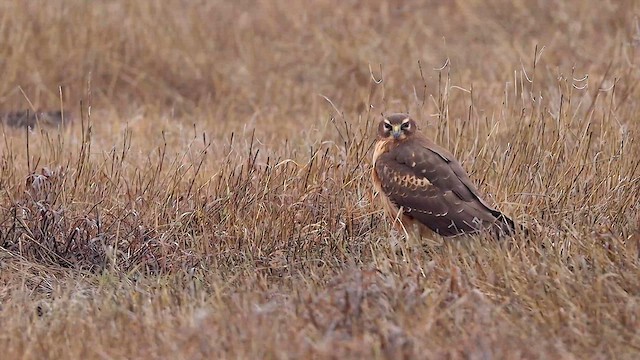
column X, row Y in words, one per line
column 382, row 146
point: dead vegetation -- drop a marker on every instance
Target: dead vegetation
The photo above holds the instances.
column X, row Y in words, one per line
column 211, row 198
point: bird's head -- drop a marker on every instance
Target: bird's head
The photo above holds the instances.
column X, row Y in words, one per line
column 396, row 127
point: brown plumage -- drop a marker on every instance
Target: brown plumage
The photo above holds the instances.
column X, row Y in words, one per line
column 423, row 185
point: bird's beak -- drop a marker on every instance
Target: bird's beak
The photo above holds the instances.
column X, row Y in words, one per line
column 396, row 132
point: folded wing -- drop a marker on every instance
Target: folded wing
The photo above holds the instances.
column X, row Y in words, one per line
column 432, row 187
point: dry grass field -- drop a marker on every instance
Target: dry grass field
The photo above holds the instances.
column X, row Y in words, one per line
column 208, row 194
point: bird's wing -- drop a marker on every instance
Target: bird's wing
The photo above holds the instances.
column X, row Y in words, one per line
column 433, row 188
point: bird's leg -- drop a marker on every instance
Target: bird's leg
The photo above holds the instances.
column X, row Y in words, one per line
column 413, row 231
column 400, row 247
column 425, row 232
column 414, row 235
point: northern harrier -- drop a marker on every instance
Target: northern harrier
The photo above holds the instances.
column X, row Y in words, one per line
column 421, row 184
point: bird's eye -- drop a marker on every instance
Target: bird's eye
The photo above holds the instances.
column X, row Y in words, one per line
column 406, row 126
column 387, row 127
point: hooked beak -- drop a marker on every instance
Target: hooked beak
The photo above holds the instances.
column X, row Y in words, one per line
column 396, row 132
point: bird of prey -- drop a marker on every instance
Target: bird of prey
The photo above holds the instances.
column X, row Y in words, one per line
column 425, row 188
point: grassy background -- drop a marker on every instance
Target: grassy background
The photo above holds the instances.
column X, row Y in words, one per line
column 211, row 197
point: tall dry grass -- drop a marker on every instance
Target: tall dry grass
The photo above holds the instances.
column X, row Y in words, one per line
column 211, row 199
